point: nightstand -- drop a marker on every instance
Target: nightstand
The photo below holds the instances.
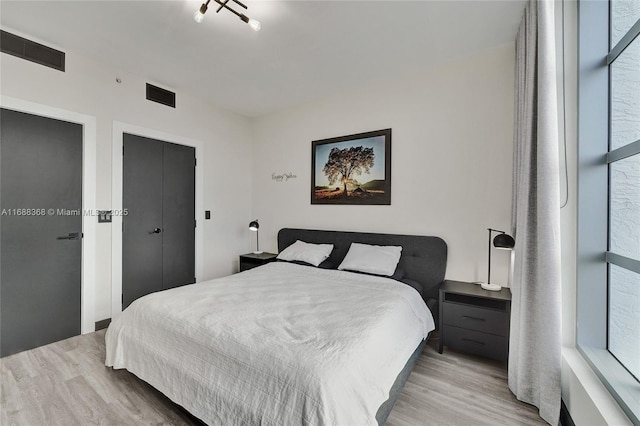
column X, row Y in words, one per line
column 475, row 320
column 251, row 260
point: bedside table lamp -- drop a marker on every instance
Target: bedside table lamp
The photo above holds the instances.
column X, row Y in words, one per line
column 254, row 226
column 502, row 241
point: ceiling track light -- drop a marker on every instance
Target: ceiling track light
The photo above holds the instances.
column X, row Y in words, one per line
column 199, row 15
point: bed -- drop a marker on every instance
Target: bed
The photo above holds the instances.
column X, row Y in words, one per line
column 287, row 343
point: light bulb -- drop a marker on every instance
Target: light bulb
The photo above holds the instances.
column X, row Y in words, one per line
column 255, row 25
column 198, row 16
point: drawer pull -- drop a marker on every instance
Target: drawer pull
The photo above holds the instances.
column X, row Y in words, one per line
column 473, row 318
column 473, row 341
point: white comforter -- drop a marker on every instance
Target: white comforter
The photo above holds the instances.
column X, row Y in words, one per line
column 281, row 344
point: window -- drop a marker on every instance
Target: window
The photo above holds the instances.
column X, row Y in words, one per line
column 623, row 255
column 608, row 300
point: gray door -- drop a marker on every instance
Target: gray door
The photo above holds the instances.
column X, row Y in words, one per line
column 158, row 241
column 178, row 215
column 41, row 230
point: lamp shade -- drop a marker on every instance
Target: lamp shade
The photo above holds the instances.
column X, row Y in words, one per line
column 254, row 225
column 504, row 241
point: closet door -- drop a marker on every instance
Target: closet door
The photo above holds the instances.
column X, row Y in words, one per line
column 142, row 225
column 158, row 241
column 178, row 213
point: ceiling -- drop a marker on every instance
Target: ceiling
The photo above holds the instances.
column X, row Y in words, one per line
column 306, row 50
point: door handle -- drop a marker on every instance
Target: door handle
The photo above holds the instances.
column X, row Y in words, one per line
column 156, row 231
column 71, row 236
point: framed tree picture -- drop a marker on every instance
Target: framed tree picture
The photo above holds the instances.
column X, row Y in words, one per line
column 353, row 169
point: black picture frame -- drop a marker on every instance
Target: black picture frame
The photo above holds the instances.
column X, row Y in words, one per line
column 364, row 157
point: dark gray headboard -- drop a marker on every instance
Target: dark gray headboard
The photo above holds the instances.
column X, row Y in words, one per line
column 424, row 259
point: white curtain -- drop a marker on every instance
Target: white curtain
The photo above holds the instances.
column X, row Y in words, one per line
column 535, row 341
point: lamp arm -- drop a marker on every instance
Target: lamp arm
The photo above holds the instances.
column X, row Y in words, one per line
column 223, row 5
column 489, row 250
column 489, row 262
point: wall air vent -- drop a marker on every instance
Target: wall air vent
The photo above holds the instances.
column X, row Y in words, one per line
column 20, row 47
column 162, row 96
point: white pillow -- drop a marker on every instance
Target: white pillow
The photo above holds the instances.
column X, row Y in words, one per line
column 300, row 251
column 379, row 260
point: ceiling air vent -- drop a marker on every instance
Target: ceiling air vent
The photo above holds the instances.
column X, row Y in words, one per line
column 162, row 96
column 12, row 44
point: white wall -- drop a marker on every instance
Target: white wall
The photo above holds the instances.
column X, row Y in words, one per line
column 90, row 87
column 451, row 159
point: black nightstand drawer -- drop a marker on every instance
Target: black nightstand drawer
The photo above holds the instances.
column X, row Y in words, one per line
column 246, row 264
column 475, row 342
column 475, row 318
column 252, row 260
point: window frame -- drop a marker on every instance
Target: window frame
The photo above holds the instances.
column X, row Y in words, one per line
column 593, row 255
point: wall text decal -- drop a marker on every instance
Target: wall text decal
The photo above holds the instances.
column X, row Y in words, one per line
column 284, row 177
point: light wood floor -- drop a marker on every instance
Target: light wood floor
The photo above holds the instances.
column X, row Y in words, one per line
column 66, row 383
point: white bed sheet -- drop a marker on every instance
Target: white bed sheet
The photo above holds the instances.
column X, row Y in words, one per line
column 281, row 344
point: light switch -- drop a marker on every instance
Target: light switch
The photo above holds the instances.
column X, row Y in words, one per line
column 104, row 216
